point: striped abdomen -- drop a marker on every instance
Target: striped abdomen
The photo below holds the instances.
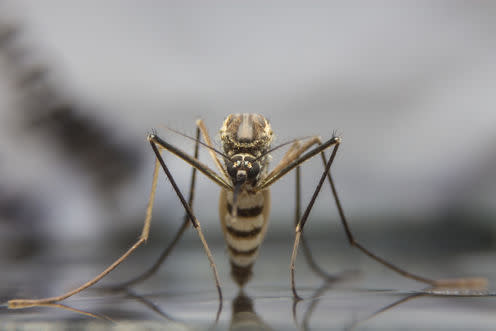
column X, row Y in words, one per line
column 245, row 233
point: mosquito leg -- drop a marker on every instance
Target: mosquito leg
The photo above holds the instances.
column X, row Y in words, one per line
column 167, row 251
column 302, row 221
column 25, row 303
column 213, row 155
column 203, row 168
column 306, row 249
column 298, row 196
column 196, row 224
column 149, row 304
column 294, row 160
column 293, row 153
column 477, row 282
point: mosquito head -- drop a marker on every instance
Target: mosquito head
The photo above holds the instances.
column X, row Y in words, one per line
column 243, row 168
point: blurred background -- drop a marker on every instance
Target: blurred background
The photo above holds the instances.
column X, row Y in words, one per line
column 409, row 87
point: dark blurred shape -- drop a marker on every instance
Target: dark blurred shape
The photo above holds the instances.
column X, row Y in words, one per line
column 463, row 192
column 45, row 107
column 20, row 213
column 244, row 316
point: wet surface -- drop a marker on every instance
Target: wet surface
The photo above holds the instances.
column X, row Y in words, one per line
column 341, row 308
column 183, row 296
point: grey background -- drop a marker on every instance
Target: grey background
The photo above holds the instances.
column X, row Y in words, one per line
column 409, row 86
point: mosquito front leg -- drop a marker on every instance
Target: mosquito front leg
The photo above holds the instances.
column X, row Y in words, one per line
column 25, row 303
column 154, row 142
column 303, row 220
column 168, row 250
column 191, row 161
column 306, row 249
column 294, row 161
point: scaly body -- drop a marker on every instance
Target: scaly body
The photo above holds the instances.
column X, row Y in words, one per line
column 245, row 137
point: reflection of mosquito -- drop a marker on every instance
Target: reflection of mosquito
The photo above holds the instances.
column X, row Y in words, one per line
column 244, row 204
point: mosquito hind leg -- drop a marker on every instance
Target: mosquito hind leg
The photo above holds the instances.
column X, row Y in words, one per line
column 468, row 282
column 26, row 303
column 472, row 282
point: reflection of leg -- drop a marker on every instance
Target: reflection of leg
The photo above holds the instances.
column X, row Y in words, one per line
column 314, row 301
column 167, row 251
column 386, row 308
column 315, row 298
column 79, row 311
column 149, row 304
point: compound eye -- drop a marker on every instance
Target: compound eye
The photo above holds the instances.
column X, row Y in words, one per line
column 231, row 169
column 253, row 169
column 248, row 164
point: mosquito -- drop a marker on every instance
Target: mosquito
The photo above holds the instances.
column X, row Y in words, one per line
column 244, row 205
